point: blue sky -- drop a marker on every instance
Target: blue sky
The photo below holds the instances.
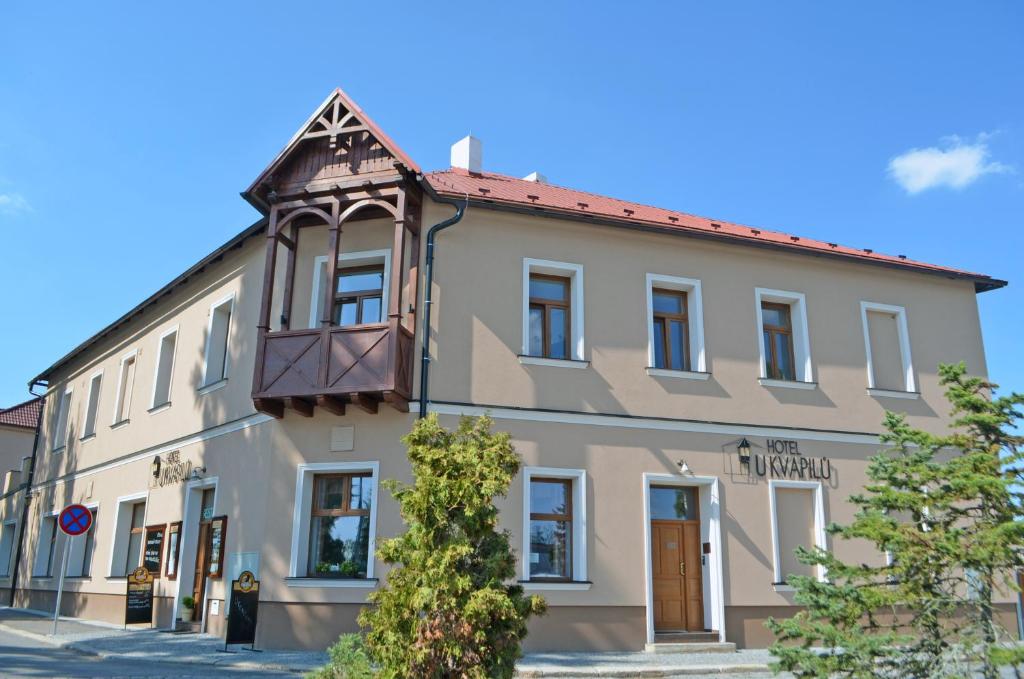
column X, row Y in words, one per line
column 126, row 132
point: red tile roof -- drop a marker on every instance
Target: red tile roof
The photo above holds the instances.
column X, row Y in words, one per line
column 22, row 415
column 502, row 189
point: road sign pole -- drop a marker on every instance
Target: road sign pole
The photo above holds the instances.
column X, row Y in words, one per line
column 60, row 582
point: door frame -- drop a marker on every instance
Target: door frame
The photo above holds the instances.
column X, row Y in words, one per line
column 708, row 500
column 191, row 507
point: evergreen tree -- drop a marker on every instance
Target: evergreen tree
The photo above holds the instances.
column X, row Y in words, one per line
column 448, row 610
column 945, row 512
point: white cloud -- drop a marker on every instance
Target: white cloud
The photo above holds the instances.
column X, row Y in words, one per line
column 954, row 164
column 13, row 203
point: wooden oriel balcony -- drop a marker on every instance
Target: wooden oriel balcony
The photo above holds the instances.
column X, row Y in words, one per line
column 339, row 168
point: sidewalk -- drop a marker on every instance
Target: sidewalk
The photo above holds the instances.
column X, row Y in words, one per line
column 110, row 641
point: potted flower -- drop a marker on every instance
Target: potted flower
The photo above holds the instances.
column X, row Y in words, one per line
column 188, row 606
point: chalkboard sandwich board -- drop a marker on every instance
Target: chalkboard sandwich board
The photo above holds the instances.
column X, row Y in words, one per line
column 139, row 602
column 245, row 601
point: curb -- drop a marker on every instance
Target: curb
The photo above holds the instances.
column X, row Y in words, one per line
column 652, row 672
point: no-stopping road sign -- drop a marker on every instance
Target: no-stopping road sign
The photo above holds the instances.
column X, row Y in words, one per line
column 74, row 520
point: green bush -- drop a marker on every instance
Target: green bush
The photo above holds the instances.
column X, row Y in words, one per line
column 349, row 660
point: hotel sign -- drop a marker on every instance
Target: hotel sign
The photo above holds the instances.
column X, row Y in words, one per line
column 171, row 470
column 782, row 459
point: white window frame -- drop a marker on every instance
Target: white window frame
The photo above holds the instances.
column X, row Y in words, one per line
column 122, row 526
column 349, row 259
column 120, row 382
column 61, row 429
column 578, row 477
column 803, row 366
column 694, row 321
column 907, row 362
column 207, row 386
column 153, row 405
column 95, row 389
column 577, row 346
column 39, row 563
column 304, row 476
column 7, row 566
column 77, row 549
column 818, row 530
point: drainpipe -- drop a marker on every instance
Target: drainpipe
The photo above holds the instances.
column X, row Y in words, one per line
column 27, row 486
column 428, row 289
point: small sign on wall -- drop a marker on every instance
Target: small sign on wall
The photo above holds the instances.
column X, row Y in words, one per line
column 342, row 439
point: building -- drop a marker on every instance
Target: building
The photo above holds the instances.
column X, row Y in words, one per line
column 691, row 398
column 17, row 434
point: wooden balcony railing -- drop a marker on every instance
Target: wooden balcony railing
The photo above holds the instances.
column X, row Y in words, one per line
column 332, row 366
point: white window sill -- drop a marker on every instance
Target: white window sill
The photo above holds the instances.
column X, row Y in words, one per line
column 118, row 425
column 553, row 362
column 58, row 450
column 358, row 583
column 892, row 393
column 782, row 587
column 88, row 437
column 678, row 374
column 213, row 386
column 540, row 586
column 160, row 408
column 786, row 384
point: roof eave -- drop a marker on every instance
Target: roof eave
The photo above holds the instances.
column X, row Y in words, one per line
column 256, row 228
column 981, row 283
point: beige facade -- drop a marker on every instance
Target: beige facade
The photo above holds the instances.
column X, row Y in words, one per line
column 620, row 432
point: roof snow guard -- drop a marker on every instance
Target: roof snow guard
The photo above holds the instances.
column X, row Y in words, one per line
column 488, row 189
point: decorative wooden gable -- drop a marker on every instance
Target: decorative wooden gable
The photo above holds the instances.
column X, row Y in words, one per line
column 338, row 143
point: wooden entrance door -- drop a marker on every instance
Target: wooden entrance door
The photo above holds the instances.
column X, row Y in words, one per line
column 202, row 566
column 676, row 576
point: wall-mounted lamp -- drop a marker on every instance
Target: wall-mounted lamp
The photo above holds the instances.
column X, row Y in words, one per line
column 743, row 448
column 197, row 473
column 684, row 468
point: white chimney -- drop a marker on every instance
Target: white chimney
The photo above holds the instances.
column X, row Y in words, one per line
column 536, row 177
column 468, row 154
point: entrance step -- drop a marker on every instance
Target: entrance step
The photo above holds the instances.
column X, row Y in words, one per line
column 689, row 642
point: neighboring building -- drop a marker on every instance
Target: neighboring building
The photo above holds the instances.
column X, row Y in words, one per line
column 243, row 416
column 17, row 433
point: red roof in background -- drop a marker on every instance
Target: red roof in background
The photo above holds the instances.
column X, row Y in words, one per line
column 22, row 415
column 502, row 189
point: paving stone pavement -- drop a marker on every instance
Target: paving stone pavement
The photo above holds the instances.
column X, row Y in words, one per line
column 111, row 641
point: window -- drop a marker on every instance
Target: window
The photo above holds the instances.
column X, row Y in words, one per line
column 783, row 341
column 60, row 429
column 7, row 531
column 173, row 550
column 549, row 316
column 358, row 295
column 369, row 268
column 216, row 366
column 47, row 547
column 887, row 347
column 82, row 550
column 334, row 524
column 778, row 341
column 554, row 541
column 675, row 327
column 164, row 369
column 339, row 532
column 125, row 384
column 552, row 313
column 550, row 529
column 95, row 382
column 129, row 534
column 798, row 520
column 677, row 503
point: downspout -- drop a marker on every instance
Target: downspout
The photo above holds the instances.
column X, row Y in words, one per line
column 27, row 487
column 428, row 289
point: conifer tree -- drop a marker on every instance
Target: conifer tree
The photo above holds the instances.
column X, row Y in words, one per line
column 448, row 609
column 944, row 510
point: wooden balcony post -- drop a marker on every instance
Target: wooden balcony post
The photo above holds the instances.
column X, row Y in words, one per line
column 398, row 259
column 289, row 278
column 327, row 312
